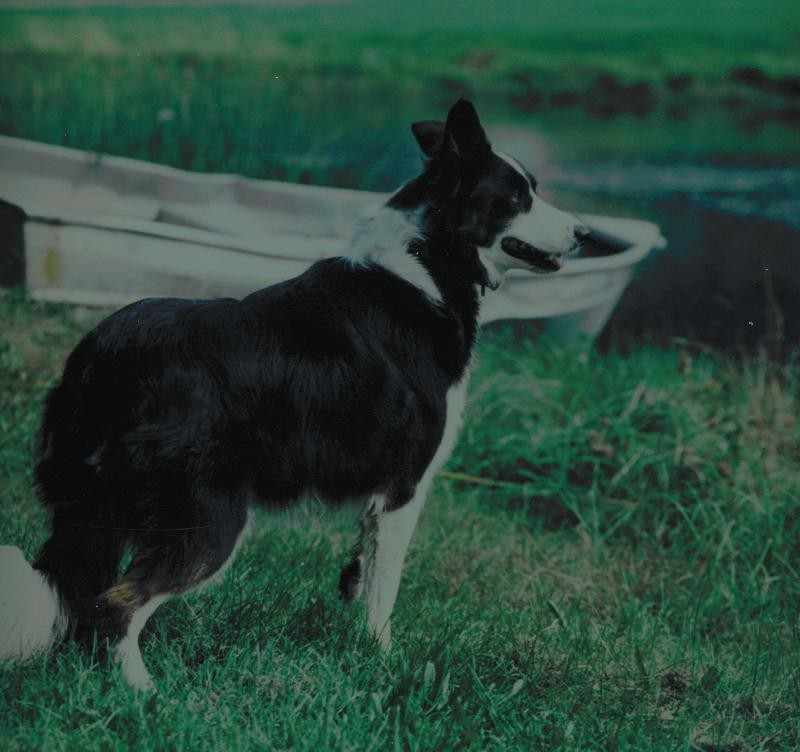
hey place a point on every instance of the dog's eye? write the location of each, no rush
(516, 199)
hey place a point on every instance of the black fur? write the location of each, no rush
(172, 416)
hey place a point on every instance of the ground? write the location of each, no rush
(609, 561)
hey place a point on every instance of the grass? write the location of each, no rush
(261, 90)
(608, 562)
(379, 40)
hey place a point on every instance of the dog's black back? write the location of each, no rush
(333, 383)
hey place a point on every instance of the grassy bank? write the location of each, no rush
(609, 561)
(305, 93)
(380, 40)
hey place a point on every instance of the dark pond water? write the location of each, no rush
(728, 202)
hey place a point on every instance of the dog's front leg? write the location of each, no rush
(382, 570)
(378, 562)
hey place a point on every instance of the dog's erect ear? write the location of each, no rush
(461, 136)
(464, 149)
(429, 135)
(463, 132)
(457, 150)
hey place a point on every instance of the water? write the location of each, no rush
(730, 276)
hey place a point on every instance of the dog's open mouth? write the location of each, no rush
(546, 262)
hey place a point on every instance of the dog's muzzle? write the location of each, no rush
(519, 249)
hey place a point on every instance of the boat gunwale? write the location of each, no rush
(210, 239)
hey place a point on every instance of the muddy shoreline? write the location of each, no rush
(747, 93)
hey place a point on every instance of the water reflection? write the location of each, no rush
(730, 276)
(731, 273)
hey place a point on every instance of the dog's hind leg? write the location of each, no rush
(122, 613)
(80, 561)
(165, 565)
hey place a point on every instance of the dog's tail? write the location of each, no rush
(32, 613)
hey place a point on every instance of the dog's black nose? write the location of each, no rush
(582, 232)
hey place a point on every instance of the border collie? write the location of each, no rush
(346, 383)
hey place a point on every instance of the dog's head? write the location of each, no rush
(486, 200)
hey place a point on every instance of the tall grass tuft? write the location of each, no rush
(207, 115)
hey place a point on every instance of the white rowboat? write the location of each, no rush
(102, 230)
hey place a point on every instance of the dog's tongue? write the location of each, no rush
(548, 262)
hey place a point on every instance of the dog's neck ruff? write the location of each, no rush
(386, 239)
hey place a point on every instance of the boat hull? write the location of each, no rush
(105, 231)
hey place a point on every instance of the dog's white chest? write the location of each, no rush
(456, 402)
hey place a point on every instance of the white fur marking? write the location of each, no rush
(383, 239)
(31, 617)
(128, 653)
(456, 401)
(382, 578)
(493, 263)
(394, 529)
(515, 164)
(544, 227)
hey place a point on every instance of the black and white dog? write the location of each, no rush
(346, 383)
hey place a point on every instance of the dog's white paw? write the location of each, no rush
(132, 665)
